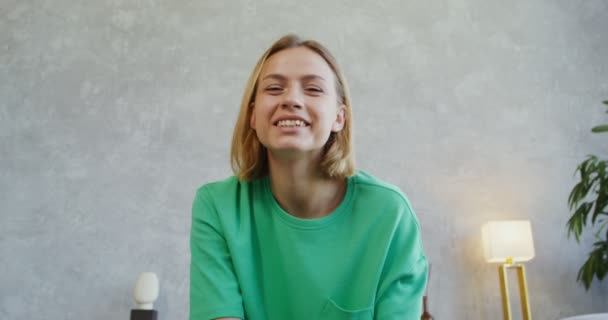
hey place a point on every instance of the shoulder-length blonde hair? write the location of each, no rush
(248, 155)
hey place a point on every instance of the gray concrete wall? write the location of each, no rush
(112, 113)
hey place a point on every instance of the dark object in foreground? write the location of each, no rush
(144, 315)
(425, 315)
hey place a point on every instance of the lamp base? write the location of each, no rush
(144, 315)
(523, 290)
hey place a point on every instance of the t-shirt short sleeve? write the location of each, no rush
(404, 274)
(214, 289)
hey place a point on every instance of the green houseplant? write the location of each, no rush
(588, 201)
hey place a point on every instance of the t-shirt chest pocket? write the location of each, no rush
(331, 311)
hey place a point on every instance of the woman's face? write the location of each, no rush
(296, 105)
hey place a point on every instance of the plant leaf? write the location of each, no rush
(600, 203)
(602, 226)
(600, 128)
(578, 220)
(587, 179)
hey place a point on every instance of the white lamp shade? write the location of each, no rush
(507, 239)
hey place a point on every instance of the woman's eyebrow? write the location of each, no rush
(284, 78)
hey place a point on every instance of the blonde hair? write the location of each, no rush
(248, 155)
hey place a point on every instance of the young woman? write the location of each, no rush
(298, 233)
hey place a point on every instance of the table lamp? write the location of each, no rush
(145, 293)
(509, 242)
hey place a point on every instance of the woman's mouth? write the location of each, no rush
(291, 123)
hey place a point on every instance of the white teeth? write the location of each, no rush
(291, 123)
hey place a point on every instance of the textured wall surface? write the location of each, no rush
(112, 113)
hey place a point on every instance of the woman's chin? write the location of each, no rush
(292, 150)
(288, 148)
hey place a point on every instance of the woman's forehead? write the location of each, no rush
(297, 62)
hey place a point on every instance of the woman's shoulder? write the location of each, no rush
(220, 195)
(378, 192)
(219, 185)
(376, 186)
(227, 187)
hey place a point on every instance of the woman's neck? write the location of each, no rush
(301, 189)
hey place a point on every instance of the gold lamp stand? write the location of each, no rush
(523, 289)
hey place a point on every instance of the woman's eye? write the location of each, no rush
(314, 89)
(273, 88)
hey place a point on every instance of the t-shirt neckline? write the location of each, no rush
(316, 223)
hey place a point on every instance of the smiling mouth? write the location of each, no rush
(291, 123)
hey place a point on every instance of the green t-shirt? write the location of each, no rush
(253, 260)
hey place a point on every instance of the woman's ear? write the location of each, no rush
(252, 118)
(338, 124)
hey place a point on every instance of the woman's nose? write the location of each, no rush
(292, 98)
